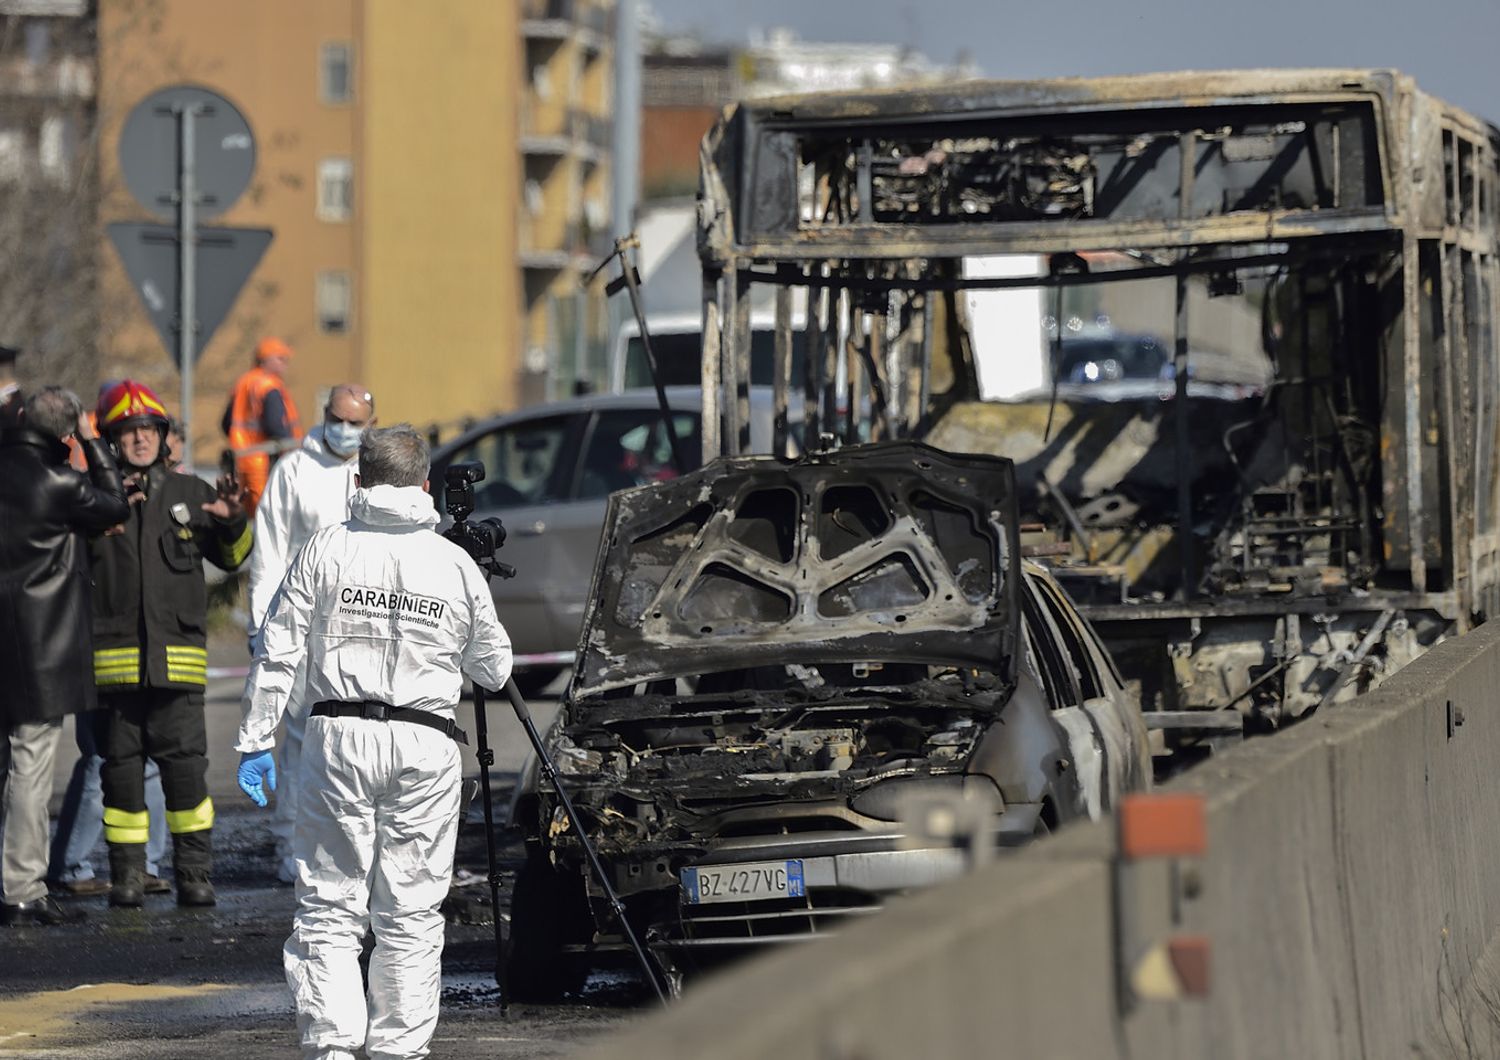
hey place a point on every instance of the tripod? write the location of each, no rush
(480, 539)
(549, 772)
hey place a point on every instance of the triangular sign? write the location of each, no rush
(226, 258)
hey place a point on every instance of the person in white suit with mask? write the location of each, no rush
(308, 489)
(372, 631)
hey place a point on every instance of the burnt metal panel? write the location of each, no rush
(890, 552)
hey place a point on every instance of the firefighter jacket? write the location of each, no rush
(376, 608)
(150, 599)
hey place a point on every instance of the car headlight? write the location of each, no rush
(888, 798)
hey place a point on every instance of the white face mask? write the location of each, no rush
(342, 438)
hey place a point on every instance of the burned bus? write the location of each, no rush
(1250, 388)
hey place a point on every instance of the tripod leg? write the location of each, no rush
(486, 759)
(652, 969)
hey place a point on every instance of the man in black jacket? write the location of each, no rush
(46, 508)
(150, 644)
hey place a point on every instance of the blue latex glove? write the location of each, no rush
(254, 768)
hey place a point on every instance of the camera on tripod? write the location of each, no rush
(482, 538)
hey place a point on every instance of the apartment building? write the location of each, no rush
(565, 215)
(48, 188)
(387, 165)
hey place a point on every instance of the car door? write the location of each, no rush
(527, 473)
(1112, 713)
(621, 448)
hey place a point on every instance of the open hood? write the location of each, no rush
(891, 552)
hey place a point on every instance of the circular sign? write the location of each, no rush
(224, 150)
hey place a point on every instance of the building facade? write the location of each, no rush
(387, 167)
(48, 189)
(565, 208)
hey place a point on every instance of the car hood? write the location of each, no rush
(890, 552)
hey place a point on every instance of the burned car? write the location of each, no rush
(788, 672)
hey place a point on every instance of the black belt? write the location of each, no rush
(375, 711)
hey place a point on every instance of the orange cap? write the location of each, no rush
(271, 347)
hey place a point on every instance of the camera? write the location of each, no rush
(482, 538)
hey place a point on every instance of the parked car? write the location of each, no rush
(781, 663)
(548, 472)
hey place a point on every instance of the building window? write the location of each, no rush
(38, 42)
(336, 73)
(335, 189)
(13, 156)
(55, 147)
(534, 197)
(334, 297)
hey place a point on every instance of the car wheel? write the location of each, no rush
(547, 912)
(534, 682)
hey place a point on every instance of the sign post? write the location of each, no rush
(187, 155)
(187, 265)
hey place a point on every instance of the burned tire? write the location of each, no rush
(547, 912)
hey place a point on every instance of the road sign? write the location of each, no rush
(226, 258)
(149, 147)
(187, 154)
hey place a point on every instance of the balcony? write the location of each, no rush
(67, 78)
(561, 19)
(552, 243)
(550, 129)
(547, 19)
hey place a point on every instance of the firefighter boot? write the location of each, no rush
(127, 874)
(192, 859)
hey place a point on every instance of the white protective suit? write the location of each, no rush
(308, 489)
(379, 608)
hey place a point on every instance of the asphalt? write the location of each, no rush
(164, 982)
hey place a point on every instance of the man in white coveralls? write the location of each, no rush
(309, 489)
(386, 616)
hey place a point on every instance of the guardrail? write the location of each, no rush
(1346, 905)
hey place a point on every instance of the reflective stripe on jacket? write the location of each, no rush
(150, 599)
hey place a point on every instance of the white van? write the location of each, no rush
(677, 341)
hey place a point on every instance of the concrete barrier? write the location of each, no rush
(1351, 893)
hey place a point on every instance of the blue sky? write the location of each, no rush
(1452, 47)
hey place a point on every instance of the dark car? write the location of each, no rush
(548, 471)
(784, 667)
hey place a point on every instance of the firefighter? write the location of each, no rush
(261, 418)
(150, 657)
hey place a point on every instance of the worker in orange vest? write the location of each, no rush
(261, 419)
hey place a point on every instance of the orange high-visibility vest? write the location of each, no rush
(245, 430)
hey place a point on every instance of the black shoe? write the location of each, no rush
(195, 893)
(43, 911)
(156, 885)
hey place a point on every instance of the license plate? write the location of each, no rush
(749, 882)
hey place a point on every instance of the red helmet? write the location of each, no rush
(130, 404)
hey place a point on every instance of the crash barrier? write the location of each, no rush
(1346, 905)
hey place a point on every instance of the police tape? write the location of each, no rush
(520, 662)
